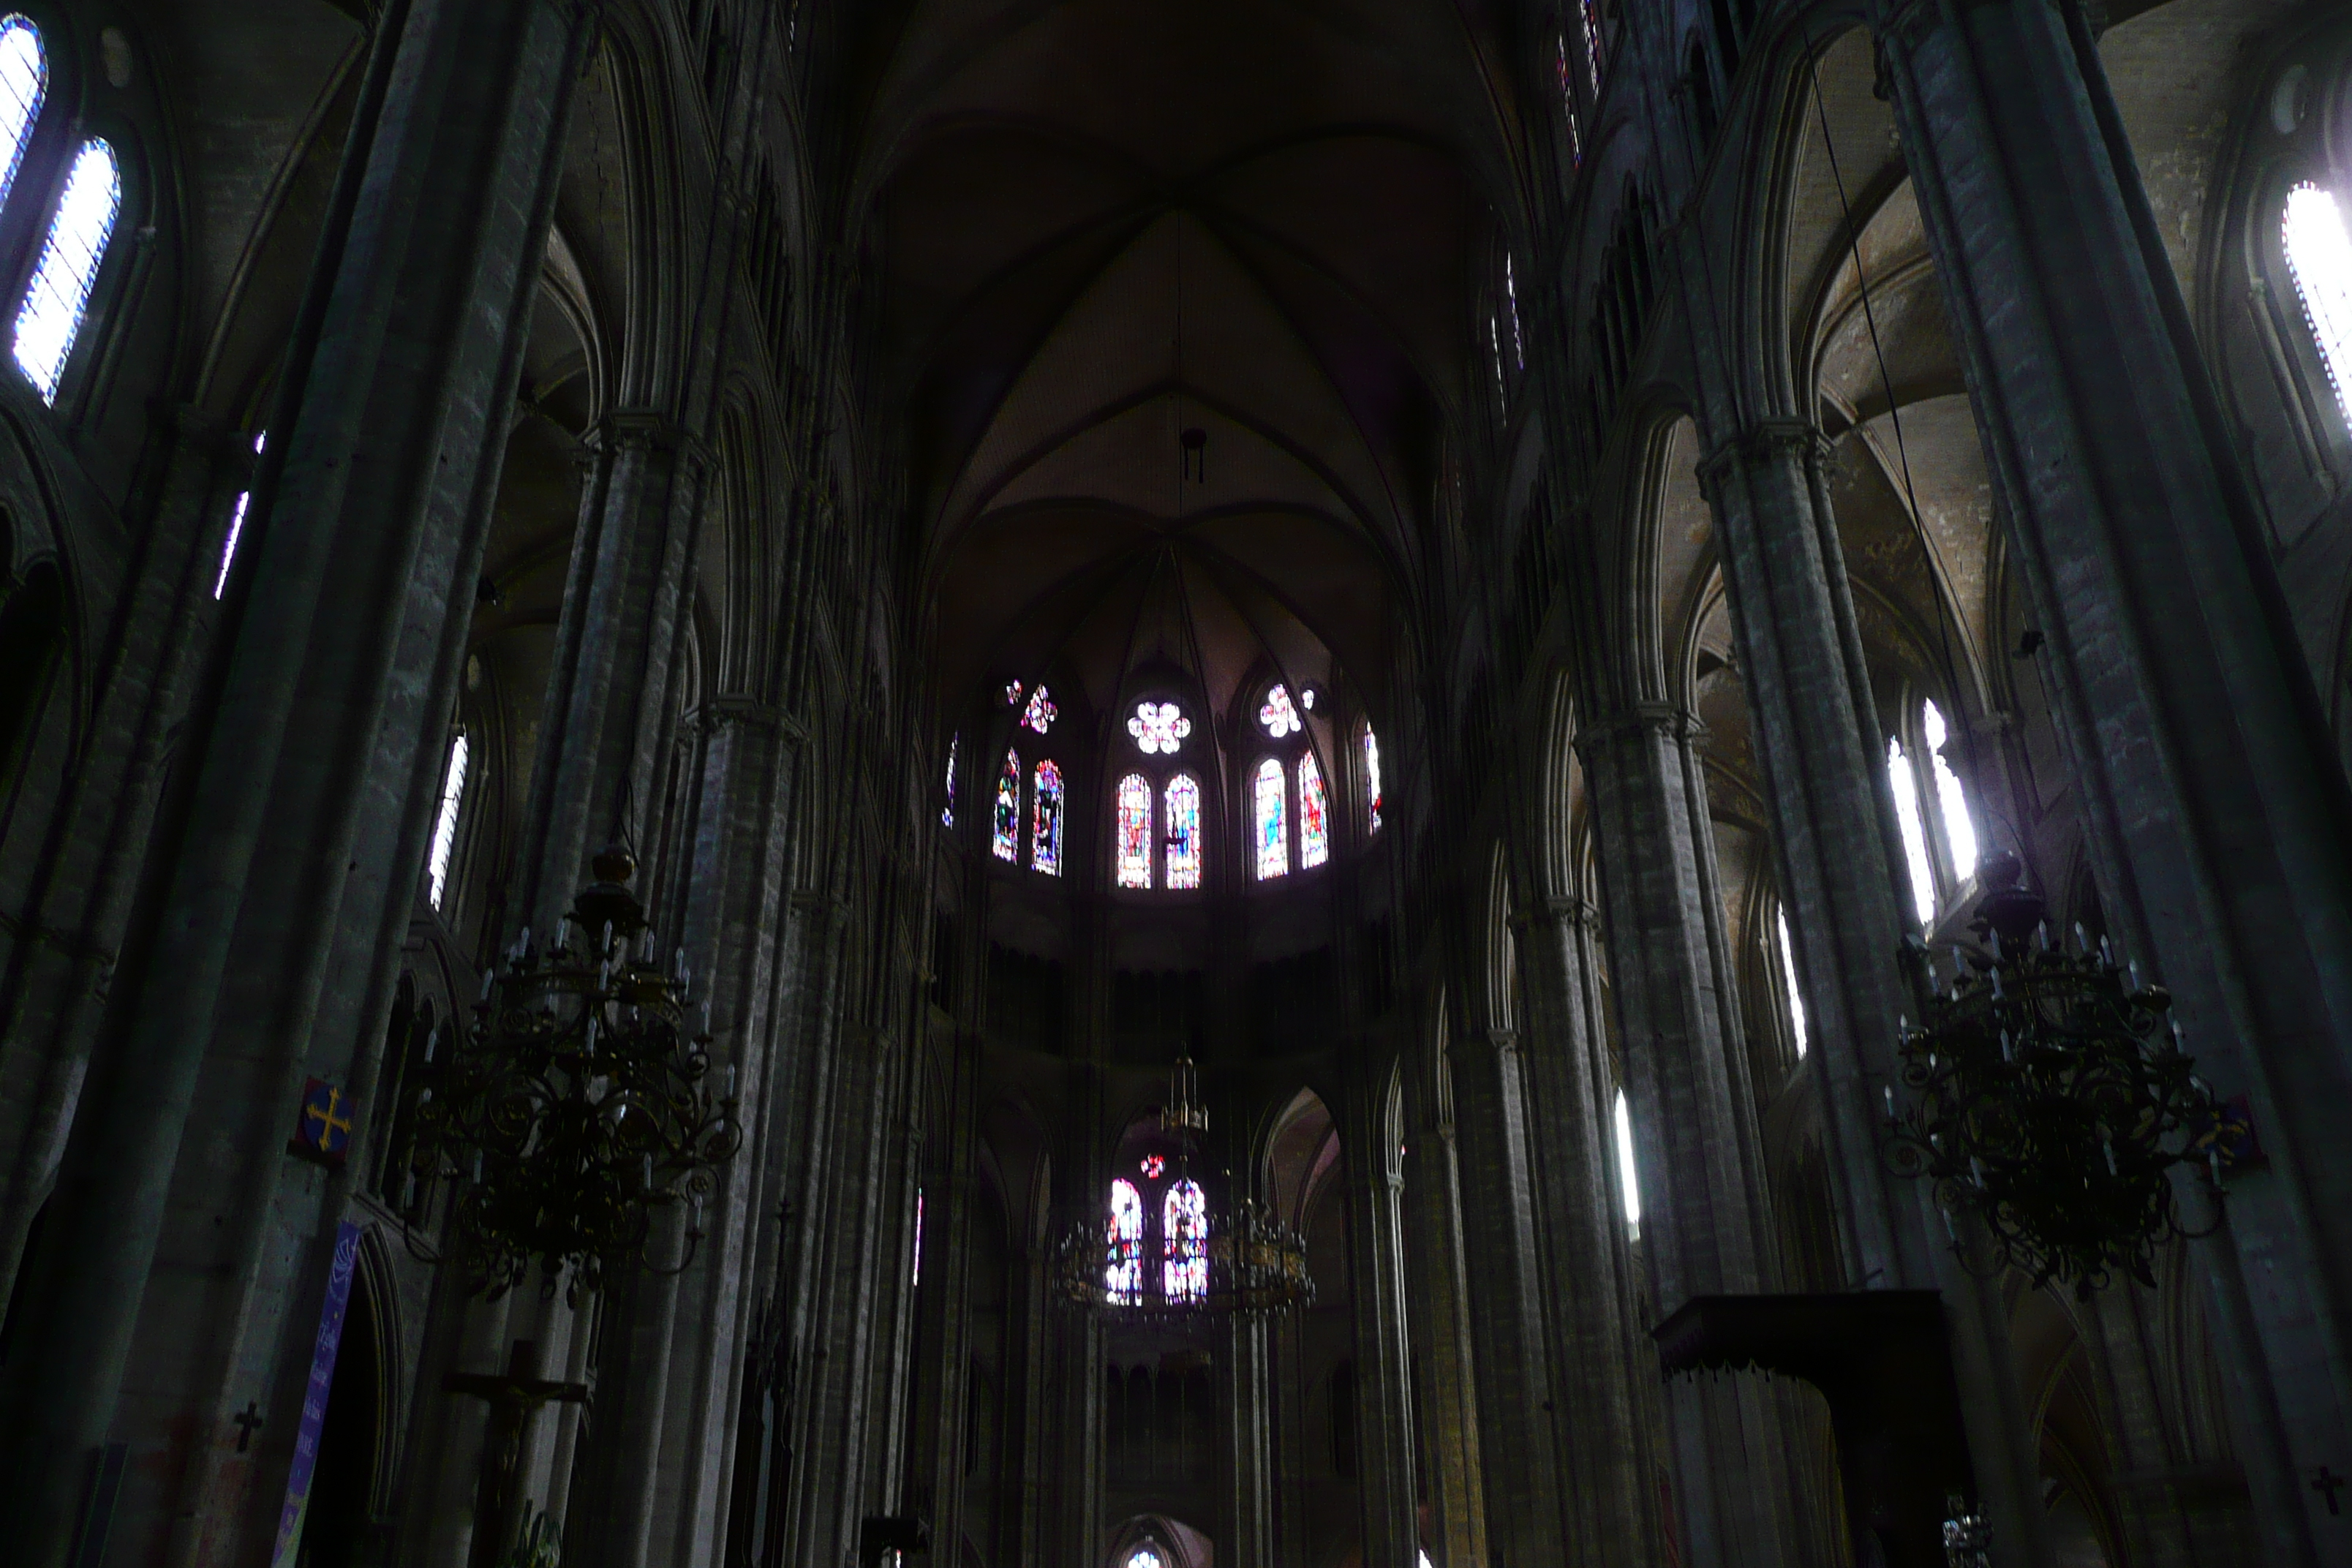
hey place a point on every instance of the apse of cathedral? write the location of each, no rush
(1118, 783)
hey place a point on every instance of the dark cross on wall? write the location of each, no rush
(2327, 1485)
(248, 1422)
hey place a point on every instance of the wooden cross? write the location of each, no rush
(2327, 1485)
(514, 1398)
(248, 1421)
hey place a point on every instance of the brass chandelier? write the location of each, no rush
(1239, 1259)
(577, 1101)
(2050, 1096)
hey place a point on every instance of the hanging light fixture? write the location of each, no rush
(578, 1101)
(1247, 1261)
(2051, 1097)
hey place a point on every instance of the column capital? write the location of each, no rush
(1764, 441)
(644, 430)
(749, 712)
(1667, 721)
(1567, 911)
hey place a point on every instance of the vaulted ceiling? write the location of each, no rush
(1102, 225)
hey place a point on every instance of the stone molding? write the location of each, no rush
(1763, 441)
(646, 430)
(734, 710)
(1667, 721)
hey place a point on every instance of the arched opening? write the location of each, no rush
(340, 1518)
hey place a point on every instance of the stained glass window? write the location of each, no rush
(1135, 831)
(1040, 711)
(1511, 305)
(2319, 257)
(1273, 833)
(50, 317)
(1159, 727)
(1314, 815)
(1279, 716)
(1046, 835)
(1151, 1166)
(24, 83)
(236, 526)
(1013, 691)
(1123, 1269)
(445, 825)
(947, 811)
(1183, 822)
(1788, 976)
(1184, 1243)
(918, 1278)
(1143, 1557)
(1594, 57)
(1007, 841)
(1372, 778)
(1905, 785)
(1626, 1177)
(1951, 800)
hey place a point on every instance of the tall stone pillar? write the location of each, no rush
(1384, 1417)
(1248, 1439)
(1800, 665)
(308, 762)
(1600, 1423)
(1439, 1308)
(2216, 810)
(1479, 1092)
(1706, 1225)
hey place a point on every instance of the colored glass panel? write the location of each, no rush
(1184, 1243)
(1123, 1268)
(1314, 815)
(1159, 727)
(1184, 821)
(1040, 711)
(1372, 779)
(1279, 714)
(1273, 832)
(1045, 827)
(1135, 831)
(58, 297)
(947, 811)
(1006, 841)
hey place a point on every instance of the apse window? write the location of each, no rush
(1184, 1243)
(24, 85)
(50, 317)
(947, 811)
(1269, 819)
(1143, 1557)
(1939, 850)
(1123, 1269)
(2319, 258)
(1628, 1182)
(1183, 839)
(445, 825)
(1045, 827)
(1314, 815)
(1005, 840)
(1371, 781)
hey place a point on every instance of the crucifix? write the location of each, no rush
(2327, 1485)
(248, 1421)
(514, 1398)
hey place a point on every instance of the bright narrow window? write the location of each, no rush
(444, 826)
(1135, 831)
(1123, 1269)
(1593, 57)
(1788, 976)
(1280, 715)
(1183, 822)
(1372, 777)
(1045, 842)
(1960, 832)
(947, 811)
(1184, 1244)
(236, 530)
(1511, 303)
(1143, 1557)
(24, 83)
(1314, 815)
(1267, 812)
(1905, 785)
(1007, 838)
(50, 317)
(917, 1279)
(1626, 1179)
(2319, 255)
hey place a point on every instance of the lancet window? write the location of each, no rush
(2317, 236)
(444, 822)
(1006, 838)
(1184, 1243)
(1123, 1270)
(1156, 825)
(23, 86)
(1045, 826)
(1289, 802)
(1788, 979)
(947, 811)
(1940, 847)
(1628, 1182)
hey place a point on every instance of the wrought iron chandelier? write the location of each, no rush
(2050, 1095)
(1213, 1259)
(577, 1101)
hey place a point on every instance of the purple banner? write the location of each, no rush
(314, 1398)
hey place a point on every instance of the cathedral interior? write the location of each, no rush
(1108, 783)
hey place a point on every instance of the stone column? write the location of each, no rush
(1800, 665)
(1248, 1439)
(1440, 1310)
(2215, 809)
(1384, 1429)
(300, 818)
(1706, 1222)
(1479, 1078)
(1598, 1418)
